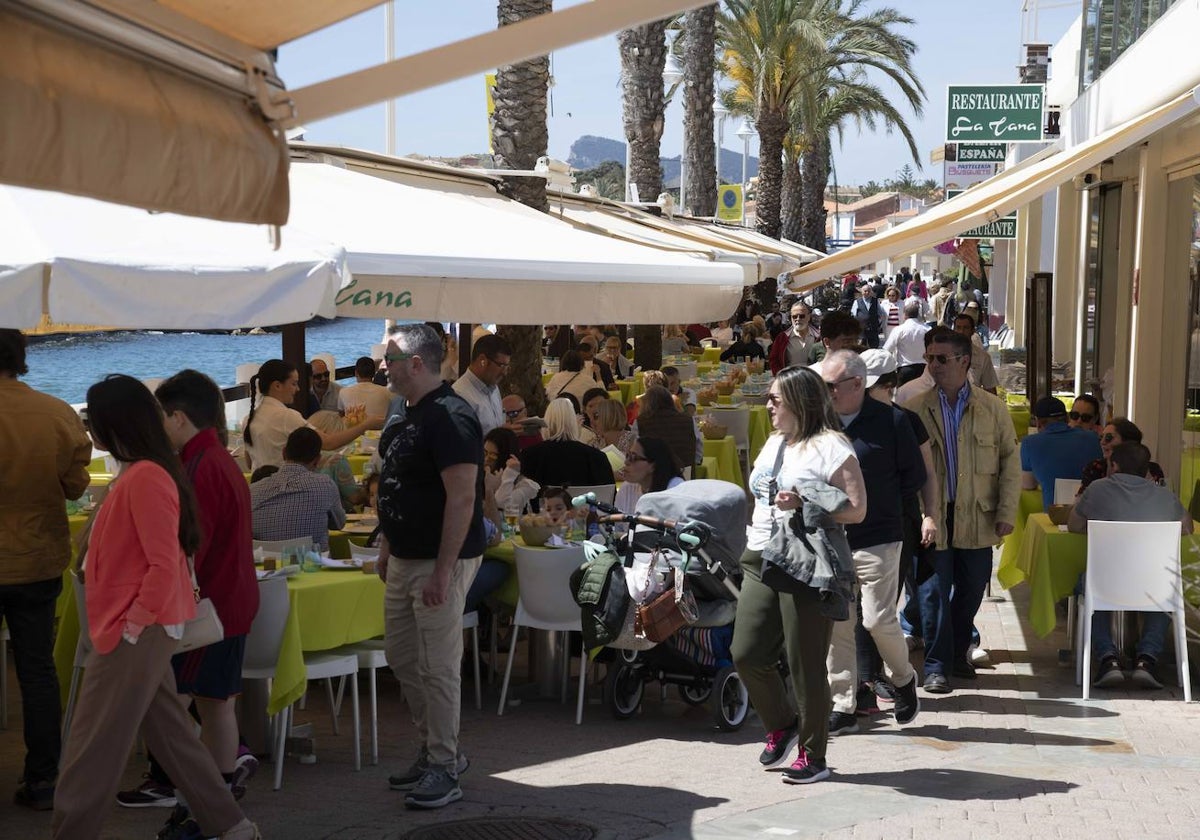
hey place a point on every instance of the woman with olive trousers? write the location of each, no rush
(807, 444)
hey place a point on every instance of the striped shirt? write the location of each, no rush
(951, 419)
(296, 502)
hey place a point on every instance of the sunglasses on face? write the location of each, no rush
(633, 458)
(1108, 437)
(514, 413)
(1084, 418)
(833, 386)
(941, 358)
(397, 357)
(321, 375)
(800, 317)
(774, 399)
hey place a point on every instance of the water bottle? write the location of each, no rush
(311, 561)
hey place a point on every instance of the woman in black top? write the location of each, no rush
(562, 459)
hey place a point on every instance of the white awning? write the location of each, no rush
(87, 262)
(426, 247)
(994, 198)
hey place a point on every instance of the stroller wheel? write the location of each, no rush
(695, 695)
(623, 689)
(730, 700)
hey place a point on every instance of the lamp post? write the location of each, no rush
(746, 131)
(720, 112)
(673, 75)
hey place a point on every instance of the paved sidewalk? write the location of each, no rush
(1016, 755)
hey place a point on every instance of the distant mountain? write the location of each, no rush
(590, 151)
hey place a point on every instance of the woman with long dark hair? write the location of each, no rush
(807, 445)
(271, 419)
(649, 468)
(139, 596)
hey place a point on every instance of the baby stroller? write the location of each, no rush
(698, 529)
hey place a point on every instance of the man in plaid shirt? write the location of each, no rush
(295, 501)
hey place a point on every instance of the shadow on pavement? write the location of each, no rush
(957, 785)
(941, 736)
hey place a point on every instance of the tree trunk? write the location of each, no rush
(814, 177)
(772, 126)
(519, 137)
(700, 30)
(643, 56)
(791, 208)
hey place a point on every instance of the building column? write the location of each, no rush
(1066, 273)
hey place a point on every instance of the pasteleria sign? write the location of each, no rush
(1002, 228)
(994, 113)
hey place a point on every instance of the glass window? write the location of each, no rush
(1189, 470)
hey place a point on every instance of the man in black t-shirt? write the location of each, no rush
(431, 519)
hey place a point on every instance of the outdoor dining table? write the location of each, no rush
(358, 462)
(707, 468)
(712, 354)
(759, 427)
(1029, 503)
(725, 451)
(1051, 559)
(629, 389)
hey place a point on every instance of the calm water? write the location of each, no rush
(66, 367)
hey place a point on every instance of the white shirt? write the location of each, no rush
(907, 343)
(374, 397)
(273, 422)
(723, 335)
(485, 399)
(817, 458)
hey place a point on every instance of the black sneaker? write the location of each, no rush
(1109, 673)
(1144, 675)
(964, 671)
(936, 684)
(437, 788)
(410, 777)
(908, 705)
(37, 796)
(149, 794)
(805, 770)
(180, 826)
(780, 743)
(243, 771)
(865, 703)
(841, 723)
(885, 692)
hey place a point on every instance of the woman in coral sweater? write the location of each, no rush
(139, 595)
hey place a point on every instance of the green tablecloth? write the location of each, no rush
(357, 462)
(1007, 574)
(725, 451)
(1189, 473)
(706, 469)
(1020, 419)
(712, 355)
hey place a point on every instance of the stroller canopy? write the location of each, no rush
(718, 504)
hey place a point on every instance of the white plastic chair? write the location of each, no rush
(277, 546)
(83, 647)
(606, 493)
(262, 654)
(545, 603)
(363, 552)
(3, 676)
(1133, 566)
(737, 421)
(687, 370)
(1065, 490)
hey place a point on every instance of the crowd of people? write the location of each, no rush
(883, 416)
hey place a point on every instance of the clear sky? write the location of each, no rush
(960, 42)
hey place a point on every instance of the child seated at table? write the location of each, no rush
(556, 504)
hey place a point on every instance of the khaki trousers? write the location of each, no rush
(877, 568)
(134, 686)
(424, 649)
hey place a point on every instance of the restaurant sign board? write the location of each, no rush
(729, 203)
(981, 152)
(994, 113)
(1002, 228)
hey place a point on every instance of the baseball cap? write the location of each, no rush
(1047, 407)
(879, 363)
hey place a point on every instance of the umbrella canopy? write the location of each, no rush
(430, 245)
(83, 261)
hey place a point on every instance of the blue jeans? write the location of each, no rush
(489, 578)
(948, 602)
(1151, 643)
(28, 610)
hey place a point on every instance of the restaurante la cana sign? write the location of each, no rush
(1002, 228)
(994, 113)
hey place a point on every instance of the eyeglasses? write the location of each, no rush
(774, 399)
(633, 458)
(1084, 418)
(514, 413)
(941, 358)
(833, 386)
(324, 375)
(799, 317)
(398, 357)
(501, 365)
(1108, 437)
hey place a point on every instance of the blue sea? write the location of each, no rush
(66, 367)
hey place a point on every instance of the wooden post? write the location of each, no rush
(293, 352)
(464, 347)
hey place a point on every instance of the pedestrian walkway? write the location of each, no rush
(1015, 755)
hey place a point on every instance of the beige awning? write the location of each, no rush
(994, 198)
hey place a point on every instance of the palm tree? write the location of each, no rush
(519, 137)
(643, 56)
(699, 60)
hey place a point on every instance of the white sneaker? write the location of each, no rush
(978, 655)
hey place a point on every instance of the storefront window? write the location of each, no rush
(1109, 28)
(1099, 314)
(1189, 470)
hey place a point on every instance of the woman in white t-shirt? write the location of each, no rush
(771, 623)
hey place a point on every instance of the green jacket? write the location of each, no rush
(989, 468)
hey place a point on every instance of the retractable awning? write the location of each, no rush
(80, 261)
(994, 198)
(428, 246)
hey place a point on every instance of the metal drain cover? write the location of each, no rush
(504, 828)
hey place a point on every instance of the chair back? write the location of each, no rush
(687, 370)
(543, 576)
(277, 546)
(737, 422)
(266, 633)
(1065, 490)
(363, 552)
(1134, 566)
(84, 646)
(606, 493)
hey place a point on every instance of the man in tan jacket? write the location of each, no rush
(978, 469)
(45, 455)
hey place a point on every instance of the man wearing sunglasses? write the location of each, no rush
(1085, 414)
(324, 391)
(794, 345)
(480, 385)
(1056, 451)
(978, 486)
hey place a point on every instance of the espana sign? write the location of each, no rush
(994, 113)
(1003, 228)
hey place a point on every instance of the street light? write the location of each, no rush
(745, 132)
(720, 112)
(673, 75)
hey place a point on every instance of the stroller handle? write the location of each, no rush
(689, 532)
